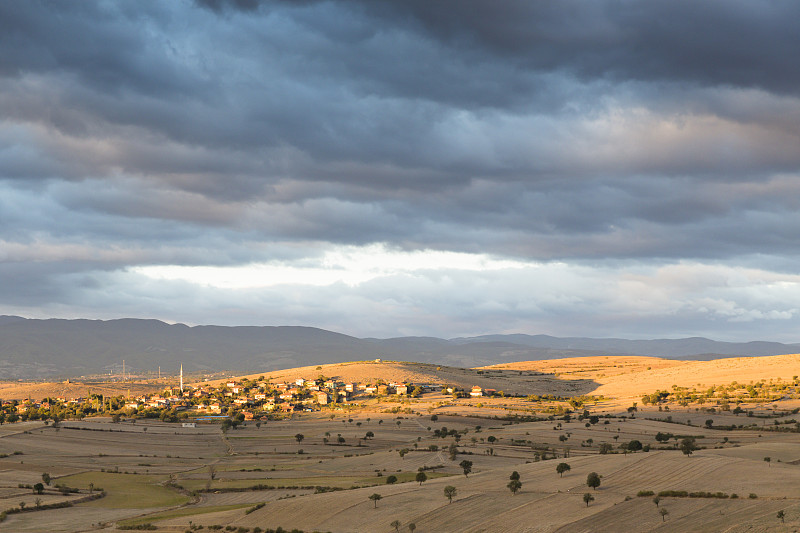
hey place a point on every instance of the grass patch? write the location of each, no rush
(178, 513)
(126, 491)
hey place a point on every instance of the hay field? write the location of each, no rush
(173, 477)
(630, 377)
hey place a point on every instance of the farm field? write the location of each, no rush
(319, 471)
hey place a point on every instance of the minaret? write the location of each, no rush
(181, 377)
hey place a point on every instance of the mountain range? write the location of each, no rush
(44, 349)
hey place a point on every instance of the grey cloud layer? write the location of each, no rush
(228, 132)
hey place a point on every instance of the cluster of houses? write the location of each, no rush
(252, 398)
(28, 404)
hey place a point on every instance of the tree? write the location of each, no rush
(588, 498)
(563, 467)
(593, 480)
(369, 435)
(514, 476)
(46, 478)
(782, 515)
(452, 450)
(412, 526)
(466, 466)
(709, 423)
(688, 445)
(663, 437)
(402, 452)
(375, 497)
(634, 446)
(664, 514)
(492, 439)
(434, 418)
(514, 485)
(395, 524)
(768, 459)
(299, 438)
(38, 488)
(391, 479)
(450, 492)
(422, 477)
(656, 500)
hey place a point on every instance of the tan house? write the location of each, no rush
(321, 397)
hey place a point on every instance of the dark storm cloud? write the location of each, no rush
(744, 44)
(232, 132)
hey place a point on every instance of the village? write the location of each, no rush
(240, 400)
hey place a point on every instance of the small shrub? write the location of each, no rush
(255, 508)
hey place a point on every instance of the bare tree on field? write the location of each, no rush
(466, 466)
(588, 498)
(450, 492)
(688, 445)
(375, 497)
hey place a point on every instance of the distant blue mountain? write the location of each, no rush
(32, 348)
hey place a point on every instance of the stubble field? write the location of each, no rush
(179, 478)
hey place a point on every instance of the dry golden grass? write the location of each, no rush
(18, 390)
(630, 377)
(731, 461)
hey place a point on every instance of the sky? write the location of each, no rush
(377, 168)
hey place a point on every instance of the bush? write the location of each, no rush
(645, 493)
(255, 508)
(673, 494)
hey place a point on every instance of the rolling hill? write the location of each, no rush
(31, 348)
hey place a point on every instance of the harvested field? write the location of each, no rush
(149, 468)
